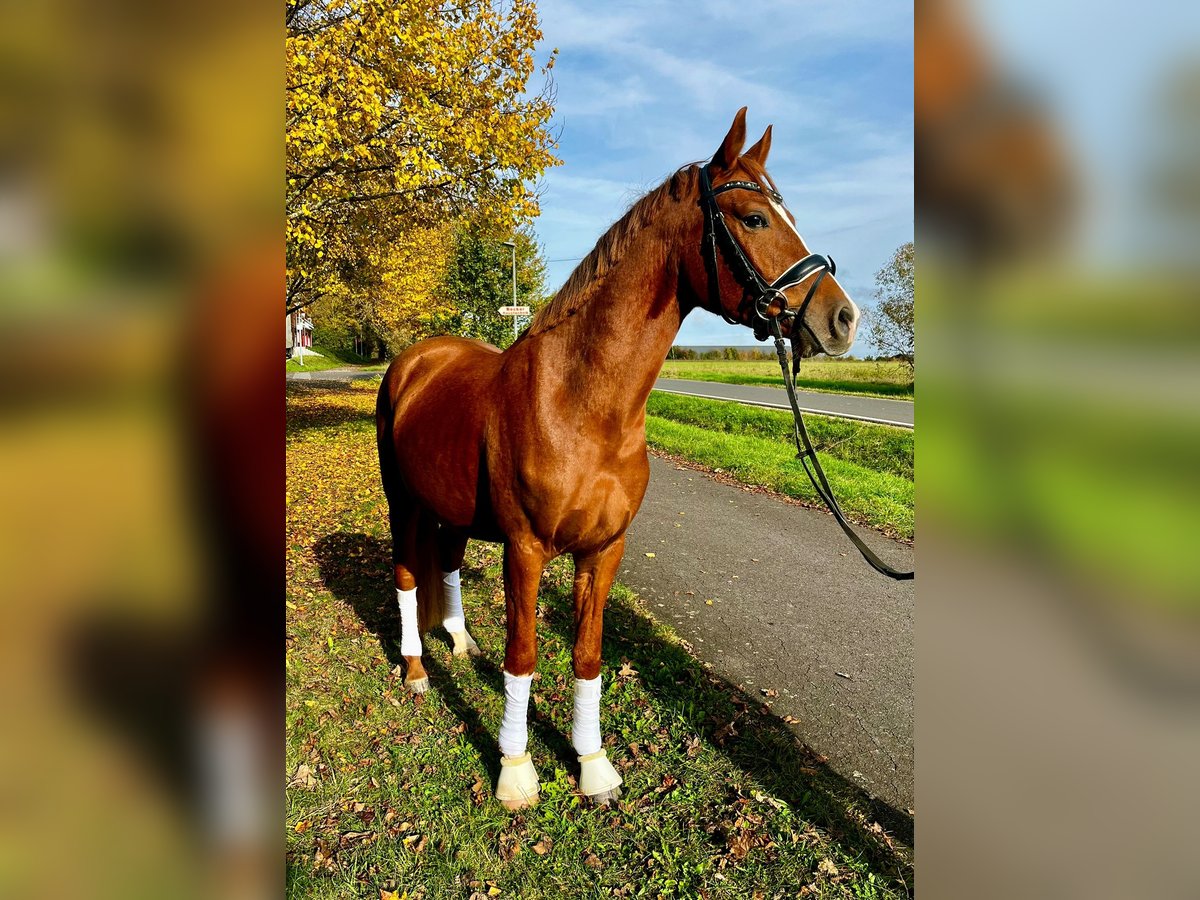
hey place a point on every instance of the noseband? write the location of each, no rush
(759, 297)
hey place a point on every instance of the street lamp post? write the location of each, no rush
(513, 245)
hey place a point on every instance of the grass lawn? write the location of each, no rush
(848, 376)
(870, 467)
(388, 792)
(330, 359)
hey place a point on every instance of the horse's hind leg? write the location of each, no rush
(405, 519)
(594, 573)
(451, 549)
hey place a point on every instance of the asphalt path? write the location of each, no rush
(846, 406)
(794, 609)
(347, 374)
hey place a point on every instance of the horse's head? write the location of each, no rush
(752, 265)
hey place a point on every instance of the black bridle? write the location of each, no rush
(762, 301)
(763, 307)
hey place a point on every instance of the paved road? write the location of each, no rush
(788, 624)
(870, 409)
(347, 374)
(847, 406)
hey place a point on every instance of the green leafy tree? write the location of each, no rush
(478, 281)
(891, 325)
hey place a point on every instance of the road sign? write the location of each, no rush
(514, 310)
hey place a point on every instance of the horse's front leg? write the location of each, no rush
(594, 575)
(523, 563)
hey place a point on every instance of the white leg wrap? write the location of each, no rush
(410, 636)
(514, 729)
(452, 611)
(585, 733)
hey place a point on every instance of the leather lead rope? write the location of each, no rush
(805, 453)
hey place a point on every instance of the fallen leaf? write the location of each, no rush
(303, 778)
(649, 556)
(826, 867)
(593, 860)
(542, 847)
(626, 670)
(739, 845)
(302, 827)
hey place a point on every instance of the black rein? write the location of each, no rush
(757, 299)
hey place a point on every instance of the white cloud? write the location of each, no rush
(644, 88)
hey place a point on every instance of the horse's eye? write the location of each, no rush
(755, 220)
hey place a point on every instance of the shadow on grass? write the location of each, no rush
(357, 569)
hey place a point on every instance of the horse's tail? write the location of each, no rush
(428, 574)
(424, 562)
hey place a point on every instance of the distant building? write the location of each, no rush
(298, 328)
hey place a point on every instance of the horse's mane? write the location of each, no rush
(582, 283)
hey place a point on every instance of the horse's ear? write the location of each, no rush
(731, 147)
(759, 151)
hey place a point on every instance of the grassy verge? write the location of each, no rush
(329, 359)
(874, 379)
(869, 466)
(389, 792)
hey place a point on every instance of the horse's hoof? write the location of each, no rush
(606, 798)
(518, 805)
(464, 644)
(518, 785)
(418, 685)
(598, 779)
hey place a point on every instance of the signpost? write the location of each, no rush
(516, 312)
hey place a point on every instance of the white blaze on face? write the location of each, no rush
(782, 212)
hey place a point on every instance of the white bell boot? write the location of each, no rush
(598, 779)
(518, 785)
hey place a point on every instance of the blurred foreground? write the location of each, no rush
(1058, 665)
(140, 277)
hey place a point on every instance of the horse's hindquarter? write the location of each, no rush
(440, 390)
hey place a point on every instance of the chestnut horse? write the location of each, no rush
(542, 447)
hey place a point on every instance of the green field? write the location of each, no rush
(388, 792)
(850, 376)
(329, 359)
(870, 467)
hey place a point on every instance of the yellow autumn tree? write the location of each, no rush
(401, 117)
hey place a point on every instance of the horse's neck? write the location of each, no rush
(614, 345)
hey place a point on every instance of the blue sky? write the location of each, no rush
(646, 87)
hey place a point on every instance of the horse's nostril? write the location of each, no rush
(843, 320)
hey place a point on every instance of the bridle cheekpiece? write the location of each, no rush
(764, 304)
